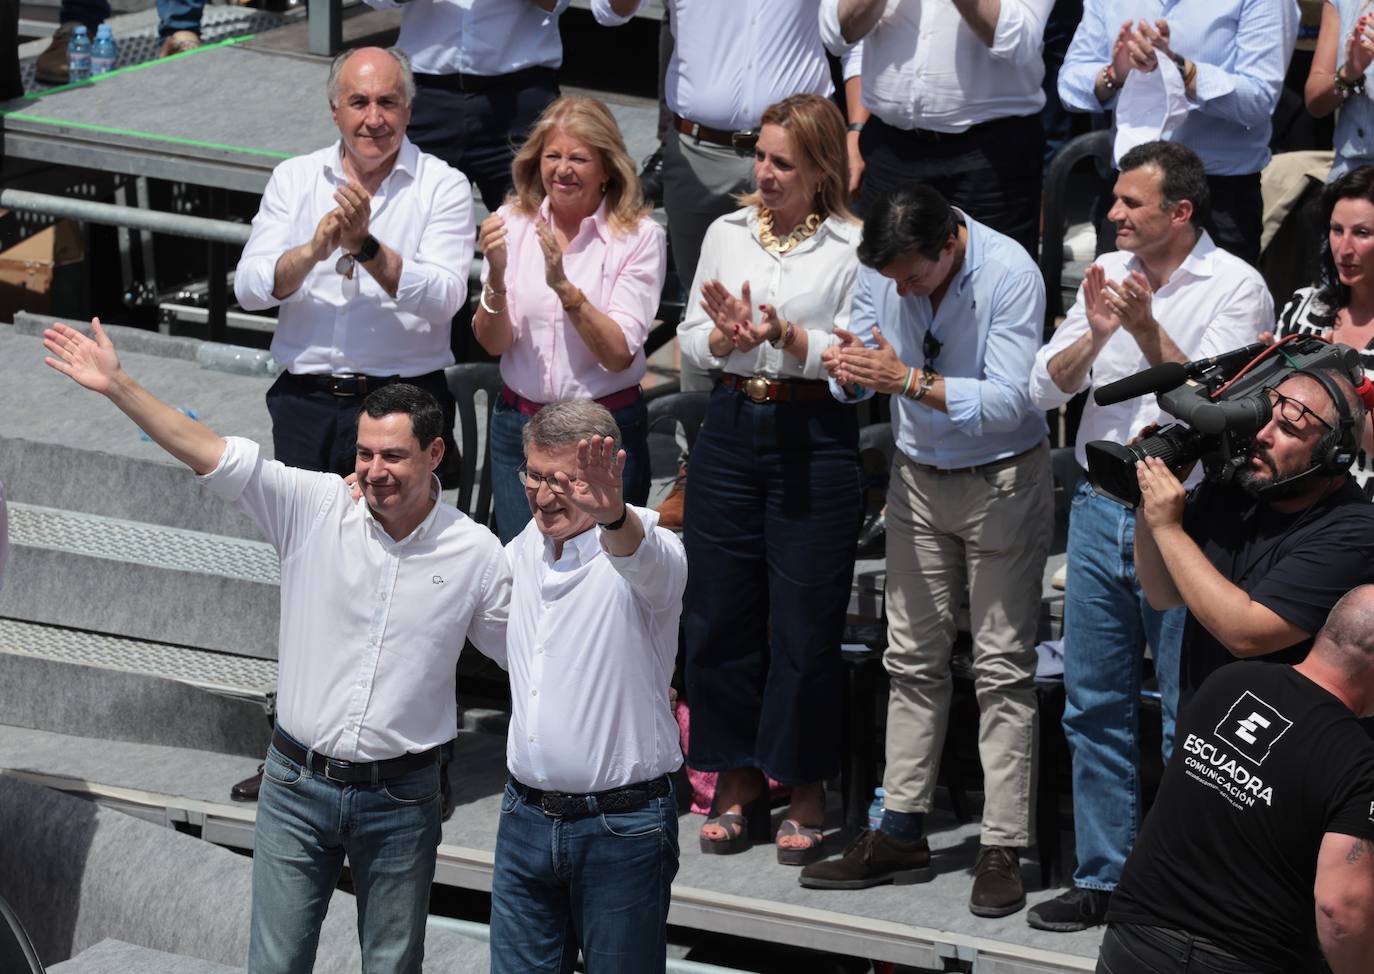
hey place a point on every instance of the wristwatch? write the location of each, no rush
(619, 522)
(371, 248)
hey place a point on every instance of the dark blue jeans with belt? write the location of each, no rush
(771, 518)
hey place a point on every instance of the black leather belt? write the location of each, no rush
(355, 772)
(349, 383)
(560, 804)
(486, 82)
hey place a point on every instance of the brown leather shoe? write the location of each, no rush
(670, 509)
(997, 889)
(247, 789)
(51, 66)
(874, 858)
(178, 42)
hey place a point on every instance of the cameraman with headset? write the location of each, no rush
(1259, 561)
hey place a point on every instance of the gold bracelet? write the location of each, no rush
(483, 301)
(783, 332)
(577, 302)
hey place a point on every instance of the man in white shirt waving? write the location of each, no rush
(376, 597)
(1169, 294)
(364, 247)
(587, 847)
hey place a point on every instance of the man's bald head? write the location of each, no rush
(390, 62)
(1347, 640)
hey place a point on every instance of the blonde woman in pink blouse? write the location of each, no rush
(571, 280)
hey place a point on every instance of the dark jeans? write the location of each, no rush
(1130, 948)
(478, 132)
(601, 882)
(92, 13)
(991, 172)
(1235, 223)
(772, 513)
(512, 507)
(316, 430)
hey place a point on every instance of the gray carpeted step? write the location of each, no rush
(143, 581)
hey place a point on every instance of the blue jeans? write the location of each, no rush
(1107, 623)
(601, 882)
(509, 502)
(175, 15)
(306, 824)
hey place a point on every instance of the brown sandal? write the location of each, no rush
(804, 855)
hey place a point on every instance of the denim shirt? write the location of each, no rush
(988, 326)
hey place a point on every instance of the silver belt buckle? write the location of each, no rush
(330, 764)
(756, 388)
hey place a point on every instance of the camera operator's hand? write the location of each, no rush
(1161, 494)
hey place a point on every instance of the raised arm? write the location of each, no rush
(92, 363)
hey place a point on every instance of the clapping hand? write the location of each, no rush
(355, 216)
(326, 238)
(733, 316)
(832, 357)
(90, 362)
(1110, 305)
(553, 254)
(1139, 47)
(878, 368)
(1359, 47)
(491, 240)
(595, 486)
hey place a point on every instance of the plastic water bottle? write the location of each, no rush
(104, 52)
(875, 810)
(79, 56)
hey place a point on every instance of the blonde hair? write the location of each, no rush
(589, 121)
(817, 130)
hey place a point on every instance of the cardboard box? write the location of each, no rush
(42, 273)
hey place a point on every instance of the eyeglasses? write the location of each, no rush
(1290, 409)
(532, 481)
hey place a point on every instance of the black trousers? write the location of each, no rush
(1130, 948)
(478, 132)
(992, 172)
(1235, 222)
(314, 429)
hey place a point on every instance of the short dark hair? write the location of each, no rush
(1184, 177)
(426, 418)
(906, 220)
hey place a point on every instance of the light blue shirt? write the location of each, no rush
(989, 327)
(1241, 49)
(1354, 138)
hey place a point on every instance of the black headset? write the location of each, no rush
(1335, 451)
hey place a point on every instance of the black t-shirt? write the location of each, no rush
(1265, 763)
(1297, 565)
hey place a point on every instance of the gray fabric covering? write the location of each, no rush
(117, 957)
(78, 874)
(86, 702)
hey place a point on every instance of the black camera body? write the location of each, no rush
(1222, 402)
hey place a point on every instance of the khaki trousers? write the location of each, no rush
(988, 529)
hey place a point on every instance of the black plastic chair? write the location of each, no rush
(1096, 145)
(16, 949)
(465, 381)
(668, 413)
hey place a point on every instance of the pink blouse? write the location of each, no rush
(622, 276)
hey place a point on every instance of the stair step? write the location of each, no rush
(132, 542)
(240, 676)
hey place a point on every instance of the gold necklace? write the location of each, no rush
(770, 240)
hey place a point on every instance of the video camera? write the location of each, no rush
(1223, 402)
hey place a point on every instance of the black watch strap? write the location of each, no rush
(371, 248)
(619, 522)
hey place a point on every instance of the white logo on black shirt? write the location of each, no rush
(1252, 727)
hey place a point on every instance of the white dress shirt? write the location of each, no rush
(1214, 302)
(925, 68)
(485, 37)
(331, 324)
(590, 649)
(733, 59)
(810, 286)
(371, 628)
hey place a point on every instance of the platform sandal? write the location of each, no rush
(742, 829)
(804, 856)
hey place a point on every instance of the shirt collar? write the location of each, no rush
(584, 547)
(845, 231)
(407, 160)
(973, 246)
(1200, 262)
(435, 495)
(599, 223)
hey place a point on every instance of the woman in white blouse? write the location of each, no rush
(773, 498)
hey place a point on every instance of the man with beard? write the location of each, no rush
(1260, 562)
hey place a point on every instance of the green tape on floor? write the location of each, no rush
(32, 95)
(152, 136)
